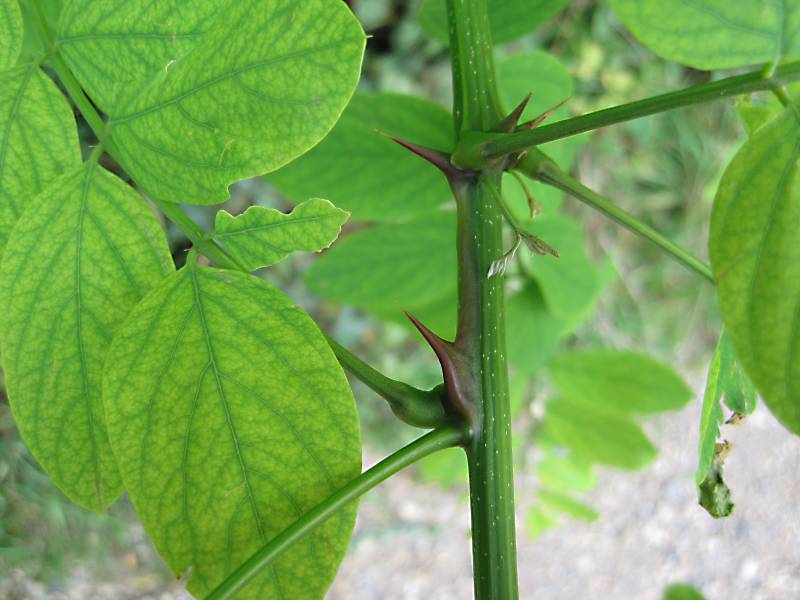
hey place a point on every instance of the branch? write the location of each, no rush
(438, 439)
(537, 165)
(416, 407)
(493, 146)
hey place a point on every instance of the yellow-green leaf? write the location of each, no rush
(78, 261)
(263, 236)
(230, 417)
(38, 140)
(212, 91)
(10, 33)
(755, 255)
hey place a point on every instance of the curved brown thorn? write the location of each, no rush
(453, 368)
(438, 159)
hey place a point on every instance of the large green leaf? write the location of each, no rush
(216, 90)
(263, 236)
(369, 174)
(10, 33)
(77, 263)
(510, 18)
(38, 140)
(619, 381)
(230, 417)
(596, 436)
(715, 34)
(755, 254)
(388, 268)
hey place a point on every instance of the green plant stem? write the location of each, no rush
(537, 165)
(411, 405)
(438, 439)
(492, 146)
(480, 338)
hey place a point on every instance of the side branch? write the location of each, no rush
(411, 405)
(539, 166)
(438, 439)
(493, 146)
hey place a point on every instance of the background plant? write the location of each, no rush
(433, 314)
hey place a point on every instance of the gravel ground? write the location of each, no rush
(412, 540)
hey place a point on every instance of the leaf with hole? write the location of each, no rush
(218, 458)
(755, 254)
(715, 34)
(261, 237)
(81, 257)
(251, 84)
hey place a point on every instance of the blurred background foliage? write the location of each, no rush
(609, 290)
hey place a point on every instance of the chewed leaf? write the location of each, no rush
(78, 261)
(264, 236)
(214, 91)
(219, 458)
(715, 496)
(39, 140)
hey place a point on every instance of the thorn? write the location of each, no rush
(509, 124)
(449, 360)
(438, 159)
(538, 120)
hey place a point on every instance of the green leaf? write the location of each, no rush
(77, 263)
(735, 386)
(10, 33)
(38, 140)
(715, 496)
(566, 504)
(710, 417)
(251, 84)
(715, 34)
(618, 381)
(533, 333)
(539, 520)
(510, 18)
(754, 116)
(755, 255)
(260, 236)
(230, 417)
(682, 591)
(566, 474)
(596, 436)
(389, 268)
(368, 174)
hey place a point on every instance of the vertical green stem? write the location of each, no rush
(481, 328)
